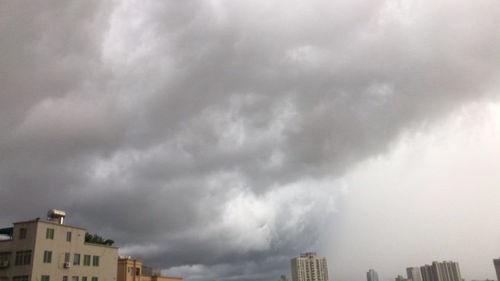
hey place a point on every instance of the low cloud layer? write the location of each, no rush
(209, 137)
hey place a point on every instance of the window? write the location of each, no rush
(86, 260)
(4, 278)
(22, 233)
(74, 278)
(65, 278)
(49, 234)
(66, 257)
(23, 257)
(137, 271)
(45, 278)
(68, 236)
(47, 256)
(21, 278)
(95, 260)
(4, 257)
(94, 279)
(76, 259)
(84, 278)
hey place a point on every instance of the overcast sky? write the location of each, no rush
(218, 139)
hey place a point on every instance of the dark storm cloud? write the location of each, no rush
(206, 136)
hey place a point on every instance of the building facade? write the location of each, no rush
(372, 275)
(441, 271)
(49, 250)
(414, 274)
(130, 269)
(309, 267)
(496, 263)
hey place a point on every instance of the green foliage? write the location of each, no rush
(96, 239)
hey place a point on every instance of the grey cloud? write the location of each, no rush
(179, 128)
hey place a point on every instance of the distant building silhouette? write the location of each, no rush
(414, 274)
(283, 278)
(400, 278)
(371, 275)
(309, 267)
(496, 263)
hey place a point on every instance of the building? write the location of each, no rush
(496, 263)
(130, 269)
(400, 278)
(441, 271)
(283, 278)
(309, 267)
(371, 275)
(414, 274)
(49, 250)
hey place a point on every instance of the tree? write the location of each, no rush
(96, 239)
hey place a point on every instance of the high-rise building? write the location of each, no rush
(49, 250)
(400, 278)
(309, 267)
(414, 274)
(371, 275)
(496, 263)
(441, 271)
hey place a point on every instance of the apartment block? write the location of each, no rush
(49, 250)
(309, 267)
(441, 271)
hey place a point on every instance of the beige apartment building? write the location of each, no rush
(49, 250)
(309, 267)
(130, 269)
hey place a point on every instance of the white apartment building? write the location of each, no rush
(309, 267)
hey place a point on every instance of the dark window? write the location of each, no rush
(95, 260)
(65, 278)
(137, 271)
(4, 257)
(68, 236)
(76, 259)
(84, 278)
(74, 278)
(22, 233)
(66, 257)
(49, 234)
(86, 260)
(47, 256)
(23, 257)
(21, 278)
(94, 279)
(45, 278)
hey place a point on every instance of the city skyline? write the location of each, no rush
(217, 139)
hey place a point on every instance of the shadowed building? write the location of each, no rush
(496, 263)
(309, 267)
(371, 275)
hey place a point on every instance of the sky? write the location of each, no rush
(217, 139)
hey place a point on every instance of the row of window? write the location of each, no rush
(47, 278)
(73, 278)
(49, 234)
(47, 258)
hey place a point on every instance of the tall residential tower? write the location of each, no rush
(371, 275)
(309, 267)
